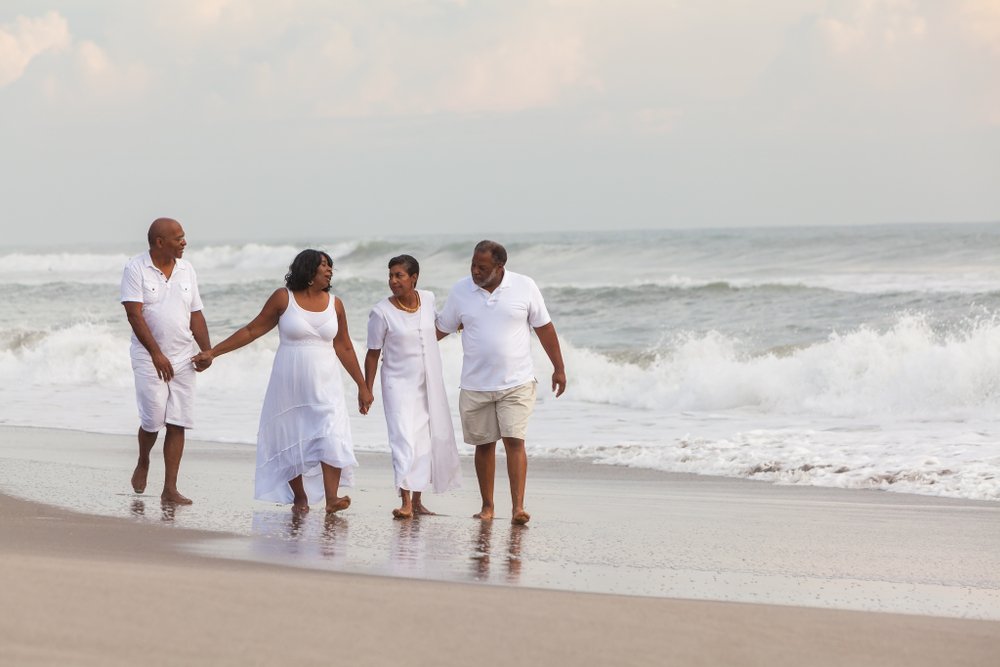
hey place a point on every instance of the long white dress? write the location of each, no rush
(421, 434)
(304, 418)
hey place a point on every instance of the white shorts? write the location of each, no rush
(160, 402)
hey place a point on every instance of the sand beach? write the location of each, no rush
(619, 566)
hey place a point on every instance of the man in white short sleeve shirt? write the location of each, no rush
(496, 310)
(160, 293)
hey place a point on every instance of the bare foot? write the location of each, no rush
(402, 513)
(418, 508)
(175, 498)
(300, 506)
(139, 477)
(338, 504)
(486, 514)
(520, 518)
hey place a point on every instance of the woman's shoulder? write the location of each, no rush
(382, 306)
(426, 296)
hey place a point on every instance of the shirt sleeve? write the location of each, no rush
(538, 314)
(196, 304)
(131, 289)
(449, 319)
(377, 329)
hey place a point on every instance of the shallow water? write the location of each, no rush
(594, 528)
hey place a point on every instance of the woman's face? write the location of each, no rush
(324, 273)
(400, 282)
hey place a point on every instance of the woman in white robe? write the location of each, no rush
(421, 437)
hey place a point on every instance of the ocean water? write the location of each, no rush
(851, 357)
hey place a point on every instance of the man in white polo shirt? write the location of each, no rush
(160, 294)
(496, 310)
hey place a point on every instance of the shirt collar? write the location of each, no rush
(178, 263)
(504, 284)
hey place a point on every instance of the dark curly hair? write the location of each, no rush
(303, 268)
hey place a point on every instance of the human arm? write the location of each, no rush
(344, 349)
(550, 343)
(199, 329)
(133, 311)
(266, 320)
(371, 368)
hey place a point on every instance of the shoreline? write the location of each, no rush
(80, 582)
(595, 529)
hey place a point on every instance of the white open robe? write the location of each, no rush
(418, 419)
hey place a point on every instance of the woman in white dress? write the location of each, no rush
(421, 436)
(304, 448)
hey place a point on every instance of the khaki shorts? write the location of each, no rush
(161, 403)
(488, 416)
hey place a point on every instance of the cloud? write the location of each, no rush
(525, 71)
(27, 38)
(873, 25)
(982, 20)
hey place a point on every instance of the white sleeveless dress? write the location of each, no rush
(304, 418)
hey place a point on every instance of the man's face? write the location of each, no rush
(173, 241)
(485, 272)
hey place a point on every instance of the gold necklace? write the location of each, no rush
(399, 304)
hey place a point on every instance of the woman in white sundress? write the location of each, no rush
(304, 448)
(401, 331)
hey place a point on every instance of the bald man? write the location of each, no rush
(160, 294)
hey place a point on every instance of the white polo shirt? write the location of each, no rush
(166, 305)
(496, 330)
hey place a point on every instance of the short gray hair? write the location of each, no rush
(498, 251)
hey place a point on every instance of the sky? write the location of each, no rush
(266, 119)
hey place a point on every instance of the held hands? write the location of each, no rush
(365, 399)
(202, 360)
(559, 382)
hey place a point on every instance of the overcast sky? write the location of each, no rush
(264, 119)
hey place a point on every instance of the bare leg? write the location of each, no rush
(405, 511)
(300, 501)
(517, 471)
(146, 442)
(173, 450)
(418, 506)
(486, 470)
(331, 485)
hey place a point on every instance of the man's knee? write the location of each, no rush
(513, 444)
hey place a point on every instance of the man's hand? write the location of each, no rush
(559, 382)
(365, 399)
(164, 370)
(202, 360)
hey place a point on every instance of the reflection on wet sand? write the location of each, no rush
(406, 543)
(514, 540)
(168, 510)
(138, 507)
(334, 536)
(303, 534)
(482, 547)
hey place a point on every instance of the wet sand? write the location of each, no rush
(143, 584)
(87, 590)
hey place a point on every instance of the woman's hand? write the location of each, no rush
(365, 399)
(202, 360)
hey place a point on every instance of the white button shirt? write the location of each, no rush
(496, 330)
(166, 305)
